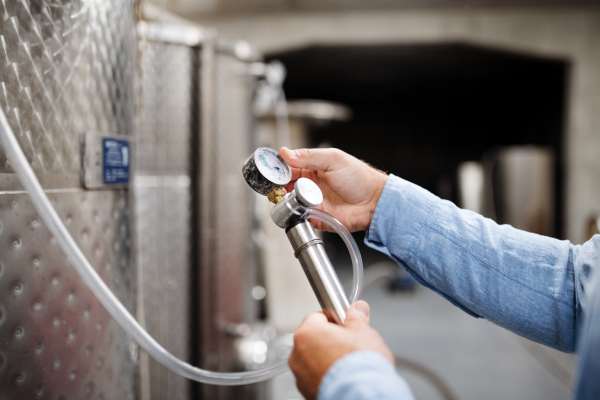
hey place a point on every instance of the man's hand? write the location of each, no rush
(351, 188)
(318, 344)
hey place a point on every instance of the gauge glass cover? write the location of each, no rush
(272, 166)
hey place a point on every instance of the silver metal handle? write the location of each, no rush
(309, 250)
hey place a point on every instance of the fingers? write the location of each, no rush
(315, 322)
(314, 159)
(320, 226)
(358, 315)
(311, 320)
(298, 173)
(290, 186)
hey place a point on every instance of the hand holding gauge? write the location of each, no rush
(268, 174)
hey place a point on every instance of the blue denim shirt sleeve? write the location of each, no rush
(530, 284)
(363, 375)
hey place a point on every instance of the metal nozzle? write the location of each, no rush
(309, 250)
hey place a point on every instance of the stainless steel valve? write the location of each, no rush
(290, 213)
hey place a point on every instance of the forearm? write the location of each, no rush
(521, 281)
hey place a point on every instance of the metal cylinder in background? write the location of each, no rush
(168, 125)
(225, 253)
(519, 188)
(512, 185)
(193, 208)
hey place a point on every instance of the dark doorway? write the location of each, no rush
(420, 110)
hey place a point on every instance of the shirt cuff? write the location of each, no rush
(363, 375)
(402, 209)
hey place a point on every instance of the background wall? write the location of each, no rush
(571, 33)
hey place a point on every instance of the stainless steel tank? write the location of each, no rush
(167, 125)
(512, 185)
(67, 69)
(193, 207)
(225, 253)
(520, 188)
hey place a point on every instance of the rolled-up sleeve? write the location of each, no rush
(363, 375)
(530, 284)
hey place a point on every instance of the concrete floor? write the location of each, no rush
(476, 359)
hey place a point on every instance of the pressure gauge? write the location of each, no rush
(267, 173)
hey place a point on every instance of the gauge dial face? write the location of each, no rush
(271, 166)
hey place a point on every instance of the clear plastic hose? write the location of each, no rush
(102, 292)
(357, 266)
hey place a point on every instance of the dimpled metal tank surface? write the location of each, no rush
(68, 68)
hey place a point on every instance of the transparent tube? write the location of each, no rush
(19, 162)
(357, 266)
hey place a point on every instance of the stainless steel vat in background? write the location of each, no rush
(67, 68)
(470, 182)
(512, 185)
(193, 208)
(166, 126)
(225, 253)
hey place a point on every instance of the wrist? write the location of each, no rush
(380, 182)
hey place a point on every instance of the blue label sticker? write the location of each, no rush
(116, 159)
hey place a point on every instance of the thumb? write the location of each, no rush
(358, 315)
(315, 159)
